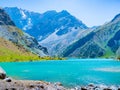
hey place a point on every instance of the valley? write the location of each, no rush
(65, 36)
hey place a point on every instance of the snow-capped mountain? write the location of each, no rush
(59, 22)
(55, 30)
(42, 25)
(65, 35)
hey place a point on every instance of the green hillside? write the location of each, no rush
(12, 52)
(103, 41)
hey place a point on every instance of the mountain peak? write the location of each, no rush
(50, 12)
(117, 17)
(64, 12)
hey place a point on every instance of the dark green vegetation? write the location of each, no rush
(77, 44)
(105, 42)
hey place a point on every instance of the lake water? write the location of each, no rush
(70, 73)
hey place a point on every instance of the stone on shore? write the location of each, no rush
(2, 73)
(8, 79)
(28, 85)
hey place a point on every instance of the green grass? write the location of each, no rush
(108, 53)
(10, 52)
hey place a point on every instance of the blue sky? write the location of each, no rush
(91, 12)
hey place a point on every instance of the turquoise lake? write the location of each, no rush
(70, 73)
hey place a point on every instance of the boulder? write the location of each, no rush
(107, 89)
(91, 85)
(58, 84)
(2, 73)
(119, 88)
(83, 88)
(8, 79)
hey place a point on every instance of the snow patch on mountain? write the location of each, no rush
(23, 14)
(40, 37)
(29, 25)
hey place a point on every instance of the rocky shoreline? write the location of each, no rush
(7, 83)
(41, 85)
(97, 87)
(29, 85)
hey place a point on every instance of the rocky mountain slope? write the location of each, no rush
(57, 44)
(54, 30)
(104, 41)
(14, 42)
(59, 22)
(65, 35)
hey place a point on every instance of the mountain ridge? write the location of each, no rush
(46, 23)
(60, 24)
(60, 31)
